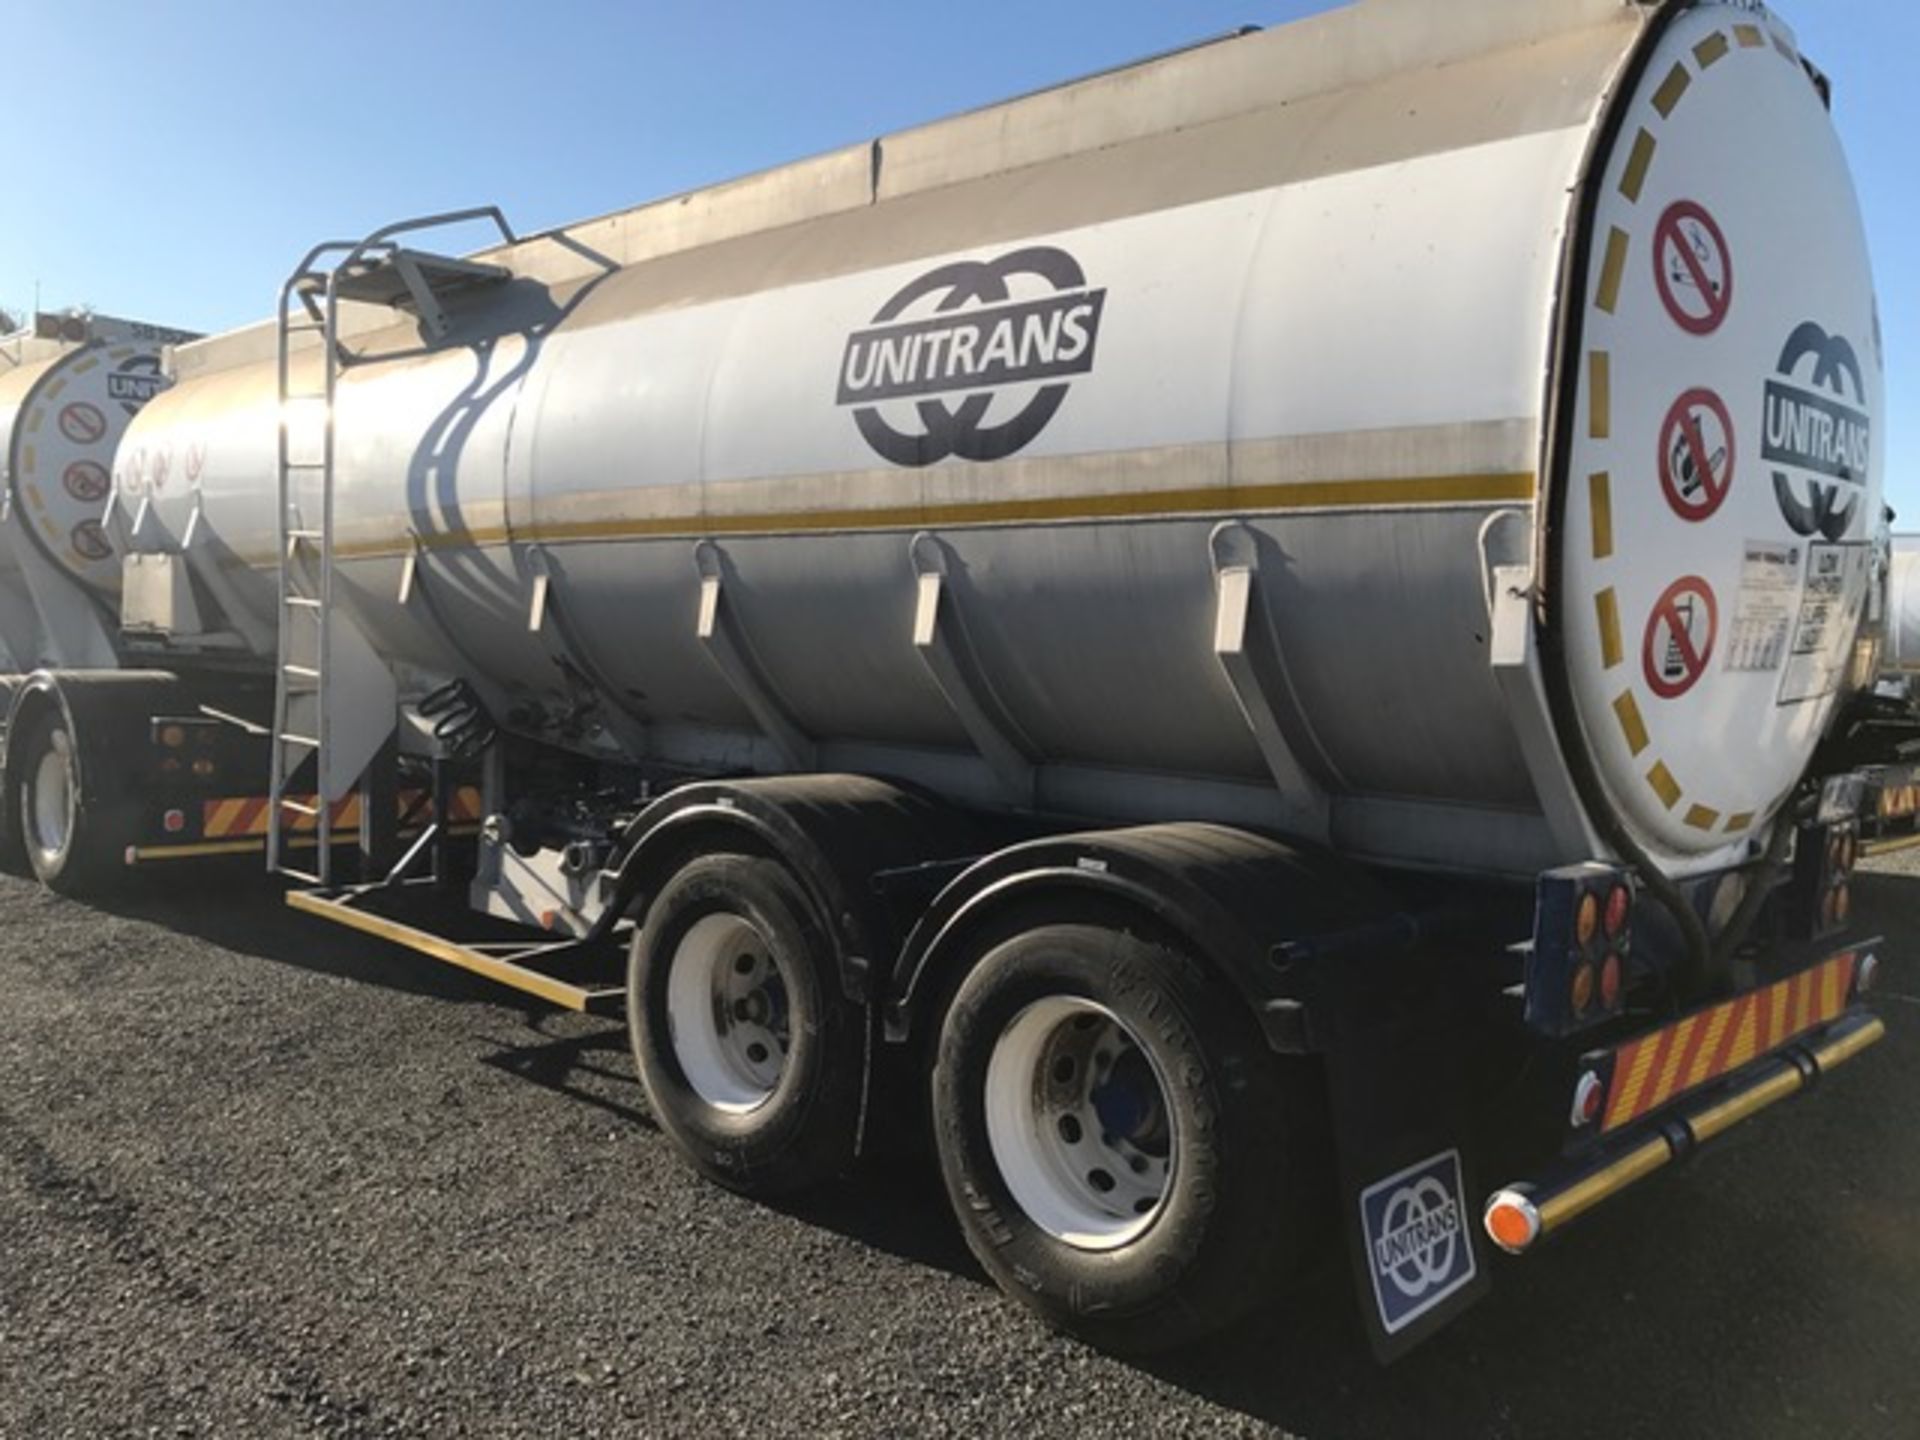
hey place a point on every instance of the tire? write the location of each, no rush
(64, 838)
(751, 1056)
(1186, 1210)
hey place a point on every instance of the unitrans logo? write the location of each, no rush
(1419, 1251)
(999, 338)
(1818, 440)
(135, 382)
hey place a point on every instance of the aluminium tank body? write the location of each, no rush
(1230, 408)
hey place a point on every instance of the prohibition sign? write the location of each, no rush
(1697, 454)
(1693, 268)
(1680, 635)
(90, 541)
(86, 481)
(82, 423)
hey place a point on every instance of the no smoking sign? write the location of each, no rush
(1693, 268)
(1697, 454)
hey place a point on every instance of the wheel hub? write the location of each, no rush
(727, 1012)
(1079, 1123)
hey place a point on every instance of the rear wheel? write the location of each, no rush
(1124, 1154)
(64, 840)
(751, 1056)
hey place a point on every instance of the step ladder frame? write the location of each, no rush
(320, 274)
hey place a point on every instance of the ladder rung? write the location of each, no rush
(288, 737)
(302, 672)
(303, 602)
(306, 534)
(299, 807)
(303, 875)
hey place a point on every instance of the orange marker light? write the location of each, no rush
(1587, 921)
(1511, 1222)
(1580, 994)
(172, 736)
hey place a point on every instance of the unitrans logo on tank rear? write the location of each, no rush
(1008, 333)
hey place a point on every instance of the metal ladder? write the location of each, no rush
(374, 271)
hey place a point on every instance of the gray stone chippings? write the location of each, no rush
(259, 1177)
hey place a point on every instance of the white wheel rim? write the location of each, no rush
(1079, 1124)
(51, 810)
(727, 1013)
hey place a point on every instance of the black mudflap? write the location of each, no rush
(1400, 1093)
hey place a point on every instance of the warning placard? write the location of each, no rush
(1764, 613)
(1829, 618)
(1679, 638)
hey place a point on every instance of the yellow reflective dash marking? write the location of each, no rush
(1701, 818)
(33, 420)
(1711, 50)
(1672, 89)
(1737, 824)
(54, 387)
(1627, 710)
(1606, 607)
(1638, 163)
(81, 367)
(1664, 785)
(1600, 395)
(1612, 269)
(1749, 36)
(1600, 502)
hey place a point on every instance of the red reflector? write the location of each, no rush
(1617, 902)
(1610, 982)
(1588, 1097)
(173, 822)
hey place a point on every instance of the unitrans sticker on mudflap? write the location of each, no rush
(1419, 1242)
(963, 330)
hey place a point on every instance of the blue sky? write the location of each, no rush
(171, 161)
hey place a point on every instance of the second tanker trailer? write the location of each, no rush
(1251, 635)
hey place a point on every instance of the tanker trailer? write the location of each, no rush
(1246, 640)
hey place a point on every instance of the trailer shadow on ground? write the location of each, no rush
(1766, 1282)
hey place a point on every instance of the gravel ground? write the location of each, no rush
(261, 1177)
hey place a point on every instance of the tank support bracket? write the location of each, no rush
(1249, 653)
(940, 636)
(1516, 666)
(719, 631)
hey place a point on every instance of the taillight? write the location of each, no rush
(1582, 933)
(1821, 890)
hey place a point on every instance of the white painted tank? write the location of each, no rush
(1901, 655)
(69, 386)
(1448, 432)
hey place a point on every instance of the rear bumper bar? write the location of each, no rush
(1519, 1216)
